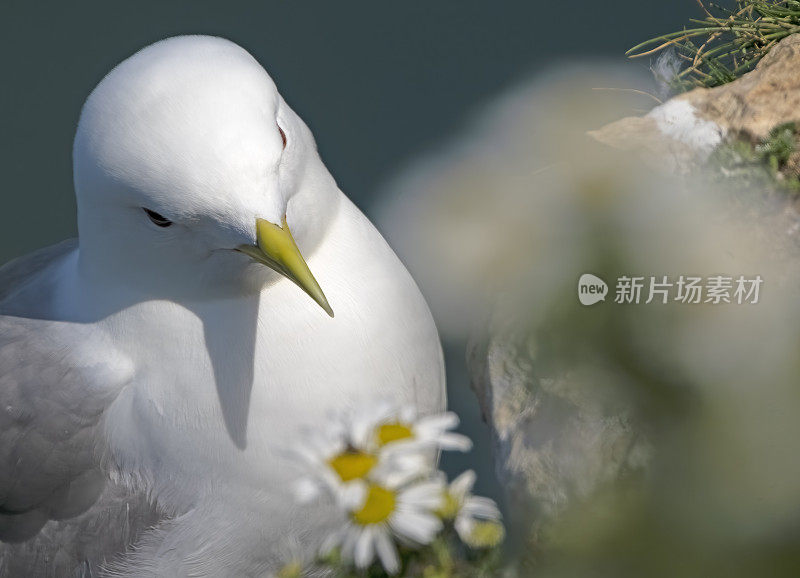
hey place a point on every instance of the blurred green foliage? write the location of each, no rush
(445, 557)
(760, 169)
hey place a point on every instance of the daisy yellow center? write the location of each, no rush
(291, 570)
(450, 507)
(352, 464)
(377, 508)
(486, 534)
(392, 432)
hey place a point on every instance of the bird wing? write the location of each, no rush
(16, 274)
(59, 509)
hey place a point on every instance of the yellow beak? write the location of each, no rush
(277, 250)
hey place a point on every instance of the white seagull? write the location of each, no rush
(222, 296)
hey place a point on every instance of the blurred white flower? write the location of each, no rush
(475, 518)
(514, 200)
(331, 463)
(392, 428)
(380, 440)
(382, 512)
(378, 465)
(334, 463)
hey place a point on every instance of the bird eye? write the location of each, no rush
(157, 219)
(283, 136)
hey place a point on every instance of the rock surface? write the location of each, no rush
(760, 100)
(672, 135)
(554, 444)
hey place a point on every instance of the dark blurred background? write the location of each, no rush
(378, 82)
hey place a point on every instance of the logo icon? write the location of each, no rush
(591, 289)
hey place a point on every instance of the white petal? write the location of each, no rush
(425, 494)
(386, 551)
(306, 490)
(480, 507)
(398, 479)
(383, 412)
(349, 542)
(413, 460)
(332, 541)
(397, 469)
(454, 442)
(419, 448)
(331, 444)
(331, 480)
(353, 495)
(362, 430)
(463, 484)
(364, 550)
(464, 526)
(407, 414)
(417, 526)
(437, 423)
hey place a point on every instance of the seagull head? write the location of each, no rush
(191, 171)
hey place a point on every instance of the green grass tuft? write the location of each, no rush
(727, 43)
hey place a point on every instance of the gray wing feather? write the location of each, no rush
(60, 513)
(16, 274)
(52, 396)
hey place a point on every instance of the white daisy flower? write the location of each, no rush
(322, 454)
(334, 462)
(381, 513)
(389, 428)
(475, 518)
